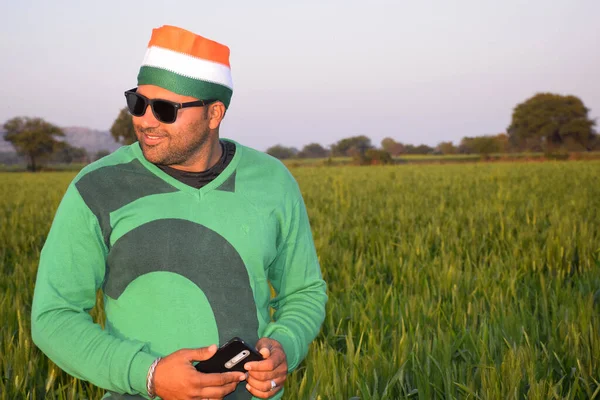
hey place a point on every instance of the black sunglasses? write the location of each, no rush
(164, 110)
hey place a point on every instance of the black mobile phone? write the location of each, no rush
(230, 357)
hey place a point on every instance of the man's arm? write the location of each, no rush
(71, 269)
(296, 277)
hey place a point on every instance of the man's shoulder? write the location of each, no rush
(265, 178)
(257, 155)
(122, 155)
(268, 170)
(267, 163)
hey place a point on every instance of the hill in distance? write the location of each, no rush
(91, 140)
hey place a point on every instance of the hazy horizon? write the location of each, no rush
(313, 71)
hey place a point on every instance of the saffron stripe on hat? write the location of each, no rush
(186, 42)
(185, 86)
(188, 66)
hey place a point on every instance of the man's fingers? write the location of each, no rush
(261, 382)
(266, 365)
(223, 379)
(266, 393)
(200, 354)
(276, 359)
(265, 384)
(215, 392)
(262, 374)
(280, 371)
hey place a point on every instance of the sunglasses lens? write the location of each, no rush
(136, 104)
(164, 112)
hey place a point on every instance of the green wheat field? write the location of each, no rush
(474, 281)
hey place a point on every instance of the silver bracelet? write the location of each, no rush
(150, 378)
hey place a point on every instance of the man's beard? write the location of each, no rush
(175, 148)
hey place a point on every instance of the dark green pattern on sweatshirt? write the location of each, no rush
(109, 188)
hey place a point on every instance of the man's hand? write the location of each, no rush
(272, 368)
(175, 378)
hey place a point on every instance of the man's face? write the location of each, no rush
(176, 144)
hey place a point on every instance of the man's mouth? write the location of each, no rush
(152, 139)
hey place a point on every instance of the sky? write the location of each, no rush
(312, 71)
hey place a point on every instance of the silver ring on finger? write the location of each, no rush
(273, 385)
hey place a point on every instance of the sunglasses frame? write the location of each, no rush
(176, 106)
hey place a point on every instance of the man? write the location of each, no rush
(186, 234)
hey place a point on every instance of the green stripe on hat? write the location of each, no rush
(199, 89)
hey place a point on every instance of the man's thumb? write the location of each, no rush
(265, 351)
(201, 354)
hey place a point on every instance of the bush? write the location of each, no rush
(557, 154)
(372, 157)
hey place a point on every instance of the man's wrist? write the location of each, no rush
(150, 379)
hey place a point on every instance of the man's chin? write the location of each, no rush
(152, 154)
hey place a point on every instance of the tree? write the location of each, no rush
(484, 145)
(313, 150)
(33, 138)
(376, 156)
(420, 149)
(595, 144)
(391, 146)
(122, 129)
(503, 142)
(372, 157)
(101, 153)
(348, 146)
(280, 152)
(446, 148)
(65, 153)
(466, 146)
(548, 121)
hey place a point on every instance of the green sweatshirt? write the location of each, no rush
(179, 267)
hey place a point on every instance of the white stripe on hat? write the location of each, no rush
(188, 66)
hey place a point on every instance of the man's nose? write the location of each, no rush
(148, 120)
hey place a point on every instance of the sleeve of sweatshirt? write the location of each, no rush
(71, 269)
(300, 291)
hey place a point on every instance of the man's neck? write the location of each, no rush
(205, 159)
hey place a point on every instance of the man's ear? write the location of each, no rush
(216, 113)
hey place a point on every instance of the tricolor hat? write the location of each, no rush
(187, 64)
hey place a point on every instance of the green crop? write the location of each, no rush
(478, 281)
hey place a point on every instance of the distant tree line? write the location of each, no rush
(546, 122)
